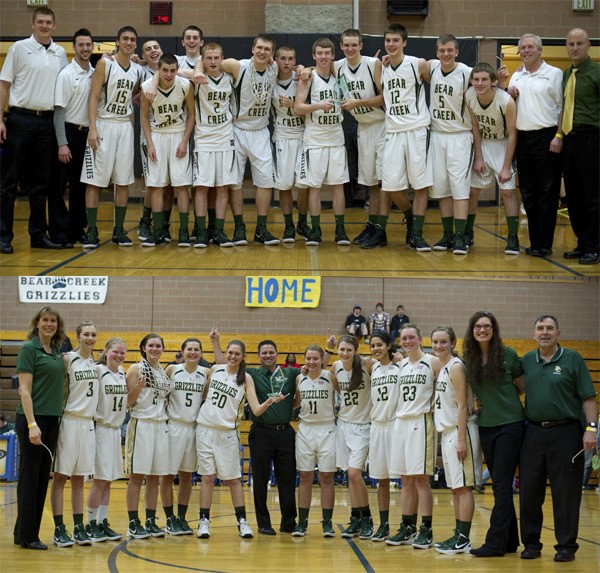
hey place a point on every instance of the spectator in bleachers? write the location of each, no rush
(356, 323)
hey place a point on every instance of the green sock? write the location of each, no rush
(339, 220)
(407, 519)
(382, 221)
(447, 224)
(327, 513)
(150, 513)
(470, 223)
(288, 220)
(120, 216)
(58, 520)
(464, 527)
(302, 217)
(418, 222)
(513, 225)
(413, 521)
(373, 219)
(409, 216)
(133, 515)
(427, 521)
(92, 216)
(146, 214)
(181, 510)
(240, 512)
(261, 220)
(384, 516)
(158, 219)
(205, 513)
(460, 226)
(365, 511)
(168, 511)
(219, 224)
(78, 518)
(212, 215)
(303, 513)
(355, 512)
(167, 216)
(457, 524)
(201, 223)
(238, 220)
(184, 220)
(315, 222)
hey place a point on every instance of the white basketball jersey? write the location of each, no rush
(317, 399)
(355, 405)
(449, 113)
(404, 95)
(491, 118)
(223, 401)
(287, 125)
(147, 73)
(115, 103)
(214, 127)
(446, 409)
(323, 128)
(168, 112)
(385, 389)
(361, 85)
(150, 405)
(248, 113)
(416, 387)
(185, 63)
(112, 397)
(186, 397)
(82, 397)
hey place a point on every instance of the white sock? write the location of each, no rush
(91, 513)
(102, 513)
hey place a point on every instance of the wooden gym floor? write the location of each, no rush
(486, 260)
(226, 552)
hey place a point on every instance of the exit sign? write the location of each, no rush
(161, 13)
(37, 2)
(583, 5)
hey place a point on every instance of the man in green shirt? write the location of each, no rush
(559, 396)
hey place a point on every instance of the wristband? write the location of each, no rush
(559, 135)
(32, 425)
(591, 429)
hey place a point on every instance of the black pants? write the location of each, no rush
(27, 156)
(34, 474)
(268, 445)
(550, 453)
(582, 181)
(70, 224)
(501, 446)
(539, 183)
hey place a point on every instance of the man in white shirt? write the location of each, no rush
(71, 125)
(30, 71)
(536, 88)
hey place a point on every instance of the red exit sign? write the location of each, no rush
(161, 13)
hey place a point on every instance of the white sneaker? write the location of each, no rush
(204, 528)
(244, 529)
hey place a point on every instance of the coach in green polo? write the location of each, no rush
(561, 410)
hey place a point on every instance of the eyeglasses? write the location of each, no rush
(482, 327)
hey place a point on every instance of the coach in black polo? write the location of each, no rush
(559, 404)
(272, 438)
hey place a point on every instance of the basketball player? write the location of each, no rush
(353, 383)
(453, 129)
(385, 391)
(496, 116)
(404, 158)
(455, 422)
(363, 99)
(110, 415)
(192, 39)
(217, 440)
(323, 160)
(288, 129)
(110, 150)
(214, 149)
(315, 439)
(167, 124)
(147, 435)
(254, 80)
(75, 449)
